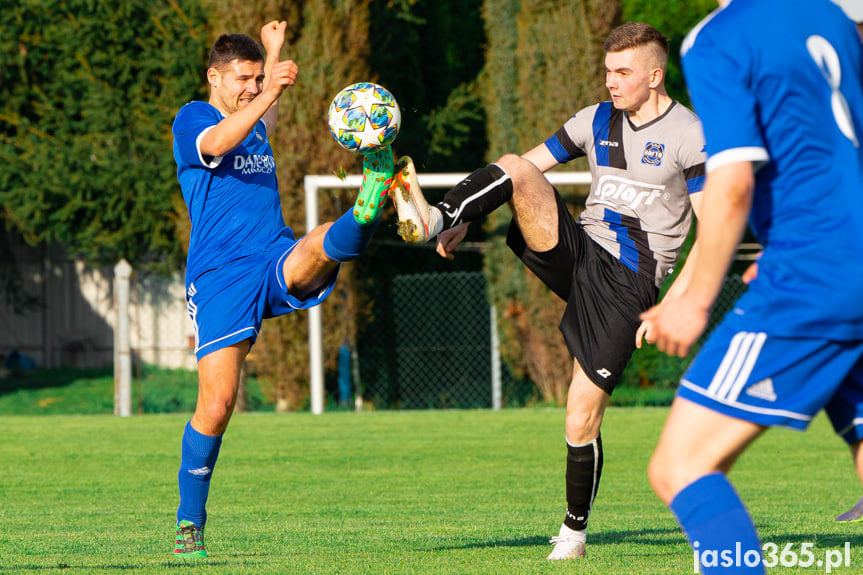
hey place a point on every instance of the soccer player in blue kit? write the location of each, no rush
(244, 263)
(777, 85)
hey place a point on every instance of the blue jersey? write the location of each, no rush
(778, 83)
(233, 200)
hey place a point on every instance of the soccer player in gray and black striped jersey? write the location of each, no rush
(646, 156)
(643, 178)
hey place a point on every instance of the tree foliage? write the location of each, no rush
(89, 91)
(429, 53)
(674, 19)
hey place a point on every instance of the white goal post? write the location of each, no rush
(313, 184)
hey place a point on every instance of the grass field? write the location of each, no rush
(384, 493)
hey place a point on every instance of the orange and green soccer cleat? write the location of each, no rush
(378, 169)
(189, 540)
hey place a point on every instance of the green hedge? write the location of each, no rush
(91, 391)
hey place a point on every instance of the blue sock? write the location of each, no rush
(196, 467)
(346, 239)
(719, 529)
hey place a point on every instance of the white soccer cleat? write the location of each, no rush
(417, 222)
(568, 544)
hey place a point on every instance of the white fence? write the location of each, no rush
(74, 324)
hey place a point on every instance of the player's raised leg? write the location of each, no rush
(483, 191)
(312, 262)
(511, 178)
(348, 236)
(533, 202)
(417, 221)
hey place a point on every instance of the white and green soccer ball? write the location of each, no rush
(364, 117)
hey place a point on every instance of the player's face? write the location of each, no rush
(235, 85)
(627, 79)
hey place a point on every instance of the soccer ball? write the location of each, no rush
(364, 117)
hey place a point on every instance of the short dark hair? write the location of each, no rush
(230, 47)
(633, 35)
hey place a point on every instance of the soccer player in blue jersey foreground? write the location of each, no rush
(244, 263)
(777, 85)
(646, 157)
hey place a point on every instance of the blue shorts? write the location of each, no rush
(228, 304)
(776, 381)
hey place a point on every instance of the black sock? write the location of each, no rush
(482, 192)
(583, 470)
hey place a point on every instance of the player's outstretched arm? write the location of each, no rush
(273, 39)
(233, 129)
(727, 200)
(541, 157)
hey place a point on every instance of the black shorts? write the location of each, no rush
(603, 297)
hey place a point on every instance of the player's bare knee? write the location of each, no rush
(659, 476)
(509, 162)
(582, 425)
(520, 171)
(669, 472)
(213, 417)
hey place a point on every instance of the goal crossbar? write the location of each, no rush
(313, 185)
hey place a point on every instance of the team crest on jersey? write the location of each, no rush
(652, 154)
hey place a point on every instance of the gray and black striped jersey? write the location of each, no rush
(638, 207)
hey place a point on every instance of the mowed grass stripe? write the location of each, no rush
(385, 492)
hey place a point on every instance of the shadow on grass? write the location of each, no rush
(193, 563)
(834, 540)
(91, 568)
(658, 537)
(161, 566)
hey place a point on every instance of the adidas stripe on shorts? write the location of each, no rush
(776, 381)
